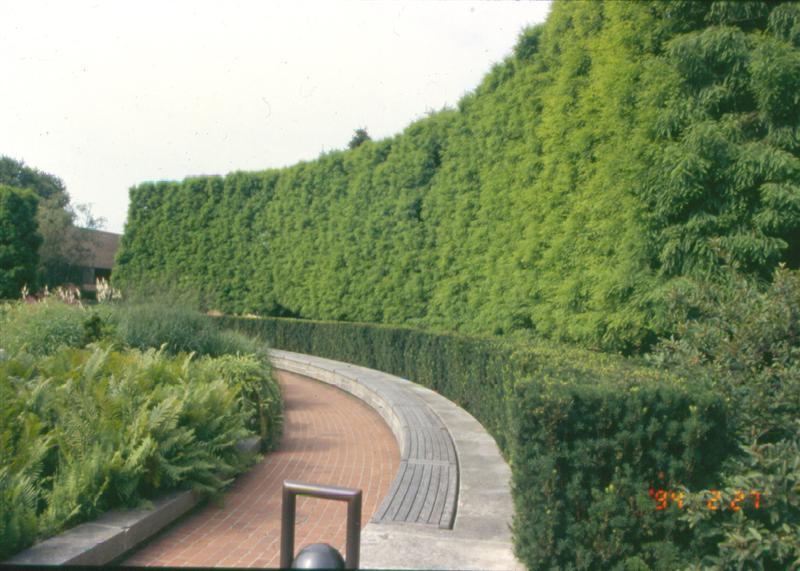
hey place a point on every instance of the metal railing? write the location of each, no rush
(288, 512)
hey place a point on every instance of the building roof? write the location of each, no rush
(101, 247)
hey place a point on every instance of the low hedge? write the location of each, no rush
(589, 443)
(587, 435)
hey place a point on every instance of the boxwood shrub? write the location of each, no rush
(587, 435)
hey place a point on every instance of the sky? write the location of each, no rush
(107, 94)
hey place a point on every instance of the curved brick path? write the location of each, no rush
(330, 437)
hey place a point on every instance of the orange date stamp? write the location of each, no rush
(664, 498)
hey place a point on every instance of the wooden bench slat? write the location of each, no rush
(430, 495)
(414, 489)
(422, 493)
(403, 489)
(383, 509)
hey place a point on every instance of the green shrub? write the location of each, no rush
(586, 450)
(23, 448)
(99, 324)
(180, 329)
(261, 402)
(744, 336)
(41, 328)
(19, 240)
(227, 342)
(586, 434)
(82, 431)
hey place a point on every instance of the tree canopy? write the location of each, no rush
(19, 240)
(46, 186)
(62, 247)
(360, 136)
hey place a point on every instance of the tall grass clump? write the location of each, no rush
(178, 328)
(41, 328)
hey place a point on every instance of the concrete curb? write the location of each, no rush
(105, 539)
(481, 535)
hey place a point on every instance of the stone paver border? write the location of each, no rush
(480, 537)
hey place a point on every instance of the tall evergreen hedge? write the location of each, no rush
(621, 145)
(587, 435)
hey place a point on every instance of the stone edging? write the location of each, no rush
(105, 539)
(481, 536)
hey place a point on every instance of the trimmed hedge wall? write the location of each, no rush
(620, 146)
(586, 434)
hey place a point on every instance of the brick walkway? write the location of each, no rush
(330, 437)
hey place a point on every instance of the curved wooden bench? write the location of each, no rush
(425, 488)
(450, 505)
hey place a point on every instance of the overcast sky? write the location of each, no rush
(108, 94)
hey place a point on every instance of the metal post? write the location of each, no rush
(353, 546)
(287, 527)
(353, 498)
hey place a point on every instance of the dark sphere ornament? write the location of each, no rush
(318, 556)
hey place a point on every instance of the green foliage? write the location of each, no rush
(46, 186)
(42, 328)
(767, 537)
(178, 328)
(586, 433)
(62, 246)
(19, 241)
(261, 402)
(745, 336)
(82, 431)
(620, 146)
(586, 450)
(20, 490)
(359, 137)
(726, 183)
(86, 430)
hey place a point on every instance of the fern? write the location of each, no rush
(85, 430)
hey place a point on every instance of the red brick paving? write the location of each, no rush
(329, 437)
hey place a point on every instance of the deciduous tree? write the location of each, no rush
(19, 240)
